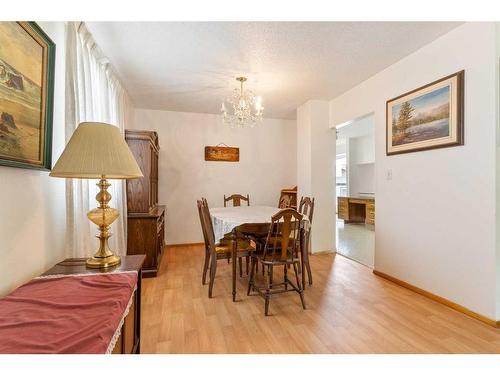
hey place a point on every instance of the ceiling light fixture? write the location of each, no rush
(246, 108)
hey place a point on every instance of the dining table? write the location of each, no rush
(251, 222)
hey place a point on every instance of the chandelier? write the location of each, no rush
(245, 109)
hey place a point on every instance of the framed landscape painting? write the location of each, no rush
(427, 118)
(26, 95)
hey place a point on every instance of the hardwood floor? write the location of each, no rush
(349, 310)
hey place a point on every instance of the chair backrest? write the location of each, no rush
(199, 203)
(237, 198)
(210, 226)
(285, 201)
(206, 224)
(306, 207)
(284, 234)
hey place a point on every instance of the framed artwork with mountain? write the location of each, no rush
(429, 117)
(26, 95)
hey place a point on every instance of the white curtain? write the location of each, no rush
(93, 93)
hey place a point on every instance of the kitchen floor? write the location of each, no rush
(357, 242)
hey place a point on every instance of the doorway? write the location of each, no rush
(355, 189)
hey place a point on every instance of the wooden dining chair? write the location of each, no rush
(237, 198)
(306, 207)
(205, 239)
(205, 230)
(215, 251)
(285, 201)
(281, 250)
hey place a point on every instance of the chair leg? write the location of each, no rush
(302, 271)
(252, 273)
(301, 290)
(205, 267)
(247, 262)
(306, 259)
(240, 262)
(257, 248)
(309, 272)
(271, 269)
(285, 276)
(268, 292)
(266, 308)
(213, 270)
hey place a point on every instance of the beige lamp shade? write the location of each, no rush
(96, 150)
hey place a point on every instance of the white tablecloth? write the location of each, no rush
(225, 219)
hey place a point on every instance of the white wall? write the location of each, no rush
(357, 127)
(361, 165)
(497, 80)
(341, 146)
(435, 225)
(267, 165)
(315, 170)
(304, 162)
(32, 214)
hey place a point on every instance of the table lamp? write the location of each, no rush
(98, 151)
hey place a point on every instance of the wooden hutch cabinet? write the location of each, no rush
(146, 219)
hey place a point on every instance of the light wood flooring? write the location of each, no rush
(349, 310)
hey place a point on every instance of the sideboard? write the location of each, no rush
(356, 209)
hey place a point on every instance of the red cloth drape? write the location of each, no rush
(70, 314)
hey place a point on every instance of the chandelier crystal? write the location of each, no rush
(245, 109)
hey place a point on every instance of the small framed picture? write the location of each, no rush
(26, 95)
(426, 118)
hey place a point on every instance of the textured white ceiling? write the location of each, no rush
(191, 66)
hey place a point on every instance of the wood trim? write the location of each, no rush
(443, 301)
(185, 244)
(323, 252)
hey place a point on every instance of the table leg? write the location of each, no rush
(233, 261)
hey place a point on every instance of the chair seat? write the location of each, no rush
(229, 236)
(276, 259)
(226, 246)
(222, 249)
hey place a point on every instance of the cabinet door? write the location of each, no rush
(129, 330)
(138, 189)
(152, 186)
(142, 239)
(155, 178)
(160, 234)
(128, 336)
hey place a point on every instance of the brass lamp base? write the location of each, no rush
(103, 216)
(95, 262)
